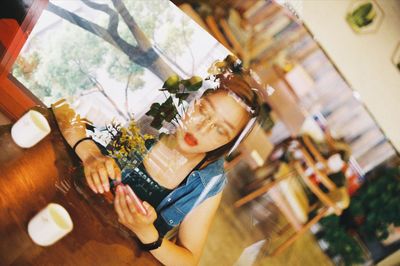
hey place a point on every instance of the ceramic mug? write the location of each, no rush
(50, 225)
(30, 129)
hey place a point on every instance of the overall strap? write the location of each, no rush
(197, 167)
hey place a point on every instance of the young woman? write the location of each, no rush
(182, 177)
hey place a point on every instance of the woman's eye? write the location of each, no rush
(222, 131)
(204, 110)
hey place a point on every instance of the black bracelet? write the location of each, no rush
(150, 246)
(79, 141)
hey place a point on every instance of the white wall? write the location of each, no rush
(364, 60)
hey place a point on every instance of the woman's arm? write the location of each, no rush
(192, 232)
(192, 235)
(97, 167)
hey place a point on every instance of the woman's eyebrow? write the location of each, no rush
(213, 107)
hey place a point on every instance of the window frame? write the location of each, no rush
(15, 98)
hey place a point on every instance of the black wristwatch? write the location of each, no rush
(150, 246)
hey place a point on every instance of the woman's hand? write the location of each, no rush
(98, 168)
(130, 216)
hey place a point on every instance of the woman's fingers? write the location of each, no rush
(148, 207)
(89, 180)
(130, 207)
(103, 177)
(124, 205)
(117, 172)
(91, 184)
(129, 201)
(98, 170)
(151, 212)
(117, 204)
(113, 170)
(97, 182)
(138, 206)
(110, 168)
(127, 210)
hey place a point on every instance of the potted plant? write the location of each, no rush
(376, 205)
(340, 242)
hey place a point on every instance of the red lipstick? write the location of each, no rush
(190, 139)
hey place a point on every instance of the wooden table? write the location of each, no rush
(48, 172)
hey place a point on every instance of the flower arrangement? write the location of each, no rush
(127, 143)
(126, 140)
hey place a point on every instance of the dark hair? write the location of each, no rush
(233, 77)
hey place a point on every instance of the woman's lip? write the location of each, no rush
(190, 139)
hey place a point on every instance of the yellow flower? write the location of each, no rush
(129, 139)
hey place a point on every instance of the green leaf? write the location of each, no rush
(363, 10)
(156, 123)
(164, 112)
(171, 114)
(154, 110)
(166, 106)
(359, 16)
(182, 96)
(169, 101)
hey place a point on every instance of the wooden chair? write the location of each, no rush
(333, 201)
(309, 144)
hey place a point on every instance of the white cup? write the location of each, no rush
(30, 129)
(50, 225)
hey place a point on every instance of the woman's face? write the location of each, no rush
(210, 122)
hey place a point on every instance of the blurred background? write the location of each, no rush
(318, 182)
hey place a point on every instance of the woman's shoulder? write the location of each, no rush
(213, 172)
(216, 165)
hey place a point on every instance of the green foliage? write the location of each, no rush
(64, 63)
(192, 84)
(121, 68)
(158, 20)
(340, 242)
(162, 112)
(150, 16)
(69, 56)
(179, 89)
(362, 16)
(378, 202)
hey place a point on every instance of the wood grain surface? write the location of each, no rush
(49, 172)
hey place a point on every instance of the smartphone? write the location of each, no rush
(138, 203)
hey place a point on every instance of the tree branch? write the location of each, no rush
(126, 96)
(173, 62)
(187, 45)
(100, 89)
(149, 57)
(143, 42)
(111, 37)
(113, 16)
(143, 54)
